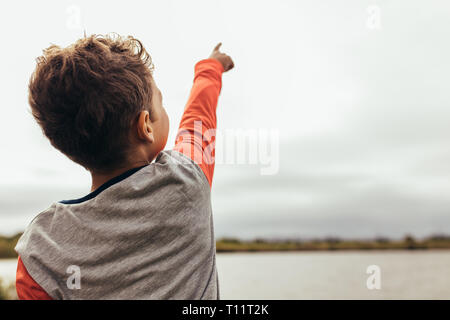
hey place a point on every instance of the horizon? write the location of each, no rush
(300, 239)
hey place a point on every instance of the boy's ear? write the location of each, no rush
(144, 127)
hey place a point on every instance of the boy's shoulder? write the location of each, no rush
(178, 166)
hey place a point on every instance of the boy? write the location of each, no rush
(145, 230)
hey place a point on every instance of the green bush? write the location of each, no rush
(7, 245)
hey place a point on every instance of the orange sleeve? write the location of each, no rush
(197, 131)
(27, 288)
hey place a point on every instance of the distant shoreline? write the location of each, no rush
(261, 245)
(230, 245)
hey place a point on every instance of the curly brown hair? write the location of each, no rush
(86, 96)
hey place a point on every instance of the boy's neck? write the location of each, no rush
(99, 179)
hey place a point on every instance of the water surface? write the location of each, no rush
(325, 275)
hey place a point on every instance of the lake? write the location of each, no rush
(325, 275)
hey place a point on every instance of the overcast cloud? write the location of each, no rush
(362, 114)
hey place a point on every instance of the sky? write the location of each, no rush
(354, 96)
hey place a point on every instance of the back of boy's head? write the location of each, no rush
(87, 96)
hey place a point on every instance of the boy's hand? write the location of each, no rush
(224, 59)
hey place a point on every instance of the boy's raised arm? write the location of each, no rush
(196, 134)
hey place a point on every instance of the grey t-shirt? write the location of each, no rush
(147, 234)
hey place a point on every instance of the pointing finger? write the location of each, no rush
(217, 47)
